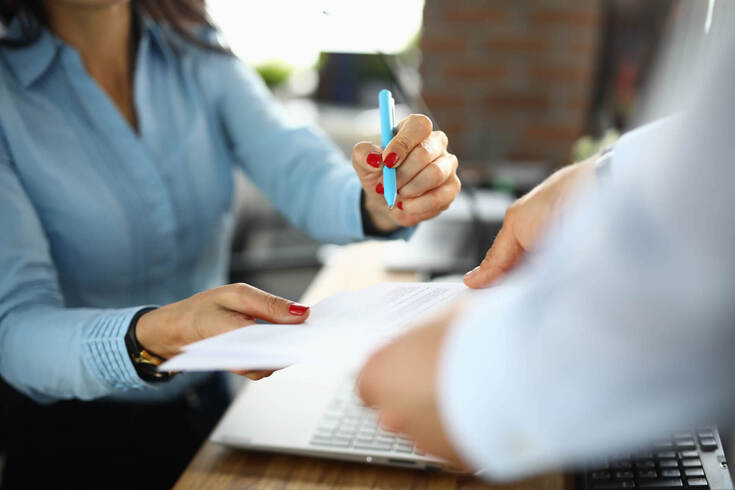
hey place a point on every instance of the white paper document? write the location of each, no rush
(342, 329)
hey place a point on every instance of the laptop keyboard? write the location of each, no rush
(687, 460)
(681, 461)
(347, 423)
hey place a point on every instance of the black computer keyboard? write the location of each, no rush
(692, 459)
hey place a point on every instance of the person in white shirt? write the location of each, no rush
(618, 324)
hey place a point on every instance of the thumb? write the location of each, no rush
(501, 258)
(255, 303)
(367, 159)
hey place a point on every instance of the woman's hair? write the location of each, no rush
(180, 15)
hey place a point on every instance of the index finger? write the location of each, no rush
(411, 131)
(255, 303)
(500, 259)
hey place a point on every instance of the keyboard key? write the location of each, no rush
(691, 463)
(661, 484)
(621, 465)
(663, 445)
(403, 449)
(645, 474)
(697, 482)
(373, 445)
(668, 463)
(328, 425)
(694, 472)
(685, 444)
(600, 475)
(688, 454)
(666, 455)
(705, 433)
(330, 442)
(611, 485)
(641, 456)
(683, 435)
(645, 465)
(671, 473)
(623, 475)
(708, 444)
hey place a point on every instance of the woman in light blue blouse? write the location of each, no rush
(118, 139)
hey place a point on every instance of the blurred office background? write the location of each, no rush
(521, 88)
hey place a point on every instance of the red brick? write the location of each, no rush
(583, 48)
(565, 17)
(443, 44)
(552, 133)
(475, 15)
(452, 128)
(435, 99)
(527, 154)
(475, 72)
(517, 101)
(518, 44)
(560, 74)
(578, 104)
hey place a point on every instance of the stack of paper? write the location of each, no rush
(344, 328)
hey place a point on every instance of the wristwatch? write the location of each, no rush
(145, 363)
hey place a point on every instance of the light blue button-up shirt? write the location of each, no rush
(97, 220)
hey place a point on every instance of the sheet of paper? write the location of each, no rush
(343, 328)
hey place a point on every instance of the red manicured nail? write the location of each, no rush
(379, 188)
(297, 309)
(374, 159)
(400, 205)
(391, 159)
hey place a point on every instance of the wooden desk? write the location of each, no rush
(219, 467)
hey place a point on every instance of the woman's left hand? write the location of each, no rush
(426, 174)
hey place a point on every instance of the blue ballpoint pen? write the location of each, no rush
(387, 126)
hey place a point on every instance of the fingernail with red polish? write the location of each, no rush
(379, 188)
(400, 205)
(374, 159)
(297, 309)
(391, 159)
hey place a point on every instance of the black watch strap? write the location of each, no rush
(143, 362)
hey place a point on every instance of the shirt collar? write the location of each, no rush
(155, 32)
(29, 62)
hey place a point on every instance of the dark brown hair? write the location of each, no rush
(180, 15)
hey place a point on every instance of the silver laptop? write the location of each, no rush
(314, 411)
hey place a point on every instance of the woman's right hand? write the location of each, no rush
(164, 331)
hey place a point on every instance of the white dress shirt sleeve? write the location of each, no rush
(620, 327)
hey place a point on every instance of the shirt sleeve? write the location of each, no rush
(307, 177)
(47, 351)
(620, 328)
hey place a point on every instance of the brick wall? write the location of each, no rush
(509, 79)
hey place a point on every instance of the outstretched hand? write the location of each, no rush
(527, 219)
